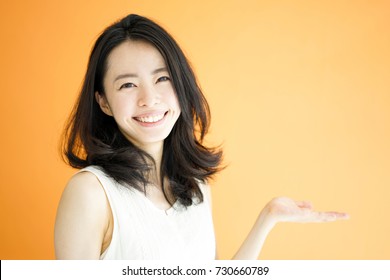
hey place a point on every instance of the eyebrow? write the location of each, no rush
(131, 75)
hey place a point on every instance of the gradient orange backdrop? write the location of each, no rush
(300, 99)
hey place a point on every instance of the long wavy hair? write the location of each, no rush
(92, 138)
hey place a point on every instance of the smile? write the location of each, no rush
(151, 119)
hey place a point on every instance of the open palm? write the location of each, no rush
(284, 209)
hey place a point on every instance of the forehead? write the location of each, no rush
(134, 56)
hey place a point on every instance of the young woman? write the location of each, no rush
(136, 133)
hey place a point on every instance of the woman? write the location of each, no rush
(136, 133)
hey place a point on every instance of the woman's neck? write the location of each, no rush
(155, 150)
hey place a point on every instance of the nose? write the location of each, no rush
(148, 97)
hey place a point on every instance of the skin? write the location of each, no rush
(138, 88)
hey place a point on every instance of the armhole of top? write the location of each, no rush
(104, 181)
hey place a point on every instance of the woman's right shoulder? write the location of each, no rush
(83, 217)
(86, 184)
(84, 190)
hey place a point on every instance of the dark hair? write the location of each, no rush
(92, 138)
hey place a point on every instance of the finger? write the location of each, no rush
(338, 215)
(329, 216)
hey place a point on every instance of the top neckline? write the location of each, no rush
(166, 212)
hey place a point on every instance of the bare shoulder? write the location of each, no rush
(82, 218)
(85, 193)
(85, 184)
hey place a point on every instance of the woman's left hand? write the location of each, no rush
(284, 209)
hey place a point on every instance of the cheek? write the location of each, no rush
(122, 108)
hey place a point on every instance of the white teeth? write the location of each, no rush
(151, 119)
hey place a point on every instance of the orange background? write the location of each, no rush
(300, 99)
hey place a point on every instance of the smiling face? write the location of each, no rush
(139, 94)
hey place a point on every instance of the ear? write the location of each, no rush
(103, 103)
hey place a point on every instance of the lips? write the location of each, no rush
(151, 117)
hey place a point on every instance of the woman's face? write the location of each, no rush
(139, 93)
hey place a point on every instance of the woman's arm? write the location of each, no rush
(82, 219)
(281, 209)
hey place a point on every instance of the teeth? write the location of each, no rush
(151, 119)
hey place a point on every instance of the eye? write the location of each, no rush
(163, 79)
(127, 85)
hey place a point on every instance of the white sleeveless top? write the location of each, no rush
(144, 232)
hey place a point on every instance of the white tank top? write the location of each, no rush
(144, 232)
